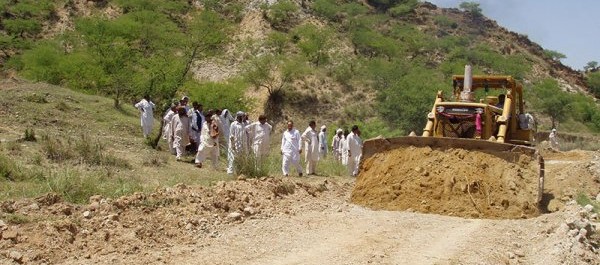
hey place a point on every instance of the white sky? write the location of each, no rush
(571, 27)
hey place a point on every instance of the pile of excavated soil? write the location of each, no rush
(48, 230)
(452, 182)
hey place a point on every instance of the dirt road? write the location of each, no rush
(293, 221)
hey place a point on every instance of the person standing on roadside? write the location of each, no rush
(323, 142)
(335, 144)
(180, 132)
(291, 148)
(226, 119)
(554, 140)
(167, 126)
(354, 144)
(196, 120)
(146, 108)
(237, 145)
(261, 137)
(344, 148)
(311, 143)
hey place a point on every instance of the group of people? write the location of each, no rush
(346, 148)
(191, 129)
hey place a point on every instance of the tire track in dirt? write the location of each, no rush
(354, 236)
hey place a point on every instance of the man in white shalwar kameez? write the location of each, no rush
(146, 108)
(260, 140)
(311, 145)
(226, 119)
(553, 137)
(196, 120)
(323, 142)
(209, 142)
(237, 146)
(291, 148)
(167, 127)
(180, 132)
(335, 144)
(344, 148)
(354, 146)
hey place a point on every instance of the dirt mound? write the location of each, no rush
(48, 230)
(453, 182)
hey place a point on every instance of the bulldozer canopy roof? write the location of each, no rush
(482, 81)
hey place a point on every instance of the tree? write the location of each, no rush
(554, 55)
(471, 7)
(591, 66)
(274, 73)
(552, 101)
(593, 82)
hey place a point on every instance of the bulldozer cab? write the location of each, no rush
(488, 117)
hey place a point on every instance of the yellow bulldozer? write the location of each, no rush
(496, 124)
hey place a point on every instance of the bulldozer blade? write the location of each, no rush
(508, 152)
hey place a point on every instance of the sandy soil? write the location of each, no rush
(290, 221)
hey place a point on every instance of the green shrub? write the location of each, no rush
(81, 150)
(56, 150)
(9, 170)
(214, 95)
(76, 188)
(338, 10)
(155, 160)
(406, 7)
(36, 98)
(593, 82)
(248, 165)
(281, 15)
(277, 41)
(583, 200)
(445, 22)
(29, 135)
(314, 42)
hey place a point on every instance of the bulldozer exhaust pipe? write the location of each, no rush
(467, 95)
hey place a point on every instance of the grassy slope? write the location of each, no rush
(68, 115)
(65, 116)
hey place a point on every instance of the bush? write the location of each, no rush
(471, 7)
(281, 15)
(314, 42)
(29, 135)
(81, 150)
(445, 22)
(583, 200)
(215, 95)
(248, 165)
(404, 8)
(76, 188)
(336, 11)
(593, 82)
(9, 170)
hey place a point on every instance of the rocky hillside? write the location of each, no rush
(378, 65)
